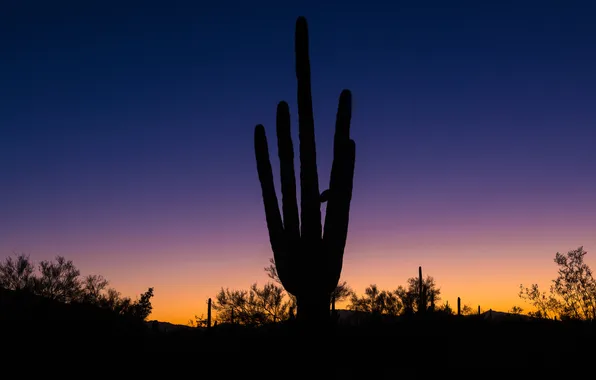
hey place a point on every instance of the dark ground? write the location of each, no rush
(87, 338)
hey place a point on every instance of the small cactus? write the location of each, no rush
(421, 293)
(432, 302)
(209, 313)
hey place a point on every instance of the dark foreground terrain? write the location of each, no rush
(39, 328)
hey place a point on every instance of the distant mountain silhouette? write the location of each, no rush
(161, 326)
(493, 315)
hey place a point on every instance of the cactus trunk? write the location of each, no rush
(308, 255)
(313, 309)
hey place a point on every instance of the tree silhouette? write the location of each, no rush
(572, 294)
(546, 305)
(376, 301)
(198, 321)
(142, 307)
(201, 321)
(61, 281)
(445, 309)
(58, 280)
(93, 288)
(17, 273)
(113, 300)
(467, 310)
(308, 256)
(254, 307)
(410, 296)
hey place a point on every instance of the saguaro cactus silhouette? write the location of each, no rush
(308, 255)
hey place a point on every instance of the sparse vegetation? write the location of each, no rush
(572, 295)
(254, 307)
(59, 280)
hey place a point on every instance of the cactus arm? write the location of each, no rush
(336, 243)
(309, 179)
(272, 214)
(340, 189)
(285, 151)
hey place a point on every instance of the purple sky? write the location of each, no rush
(126, 139)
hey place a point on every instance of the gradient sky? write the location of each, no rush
(126, 139)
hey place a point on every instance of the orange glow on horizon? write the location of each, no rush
(482, 267)
(491, 283)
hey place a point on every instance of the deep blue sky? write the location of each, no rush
(129, 124)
